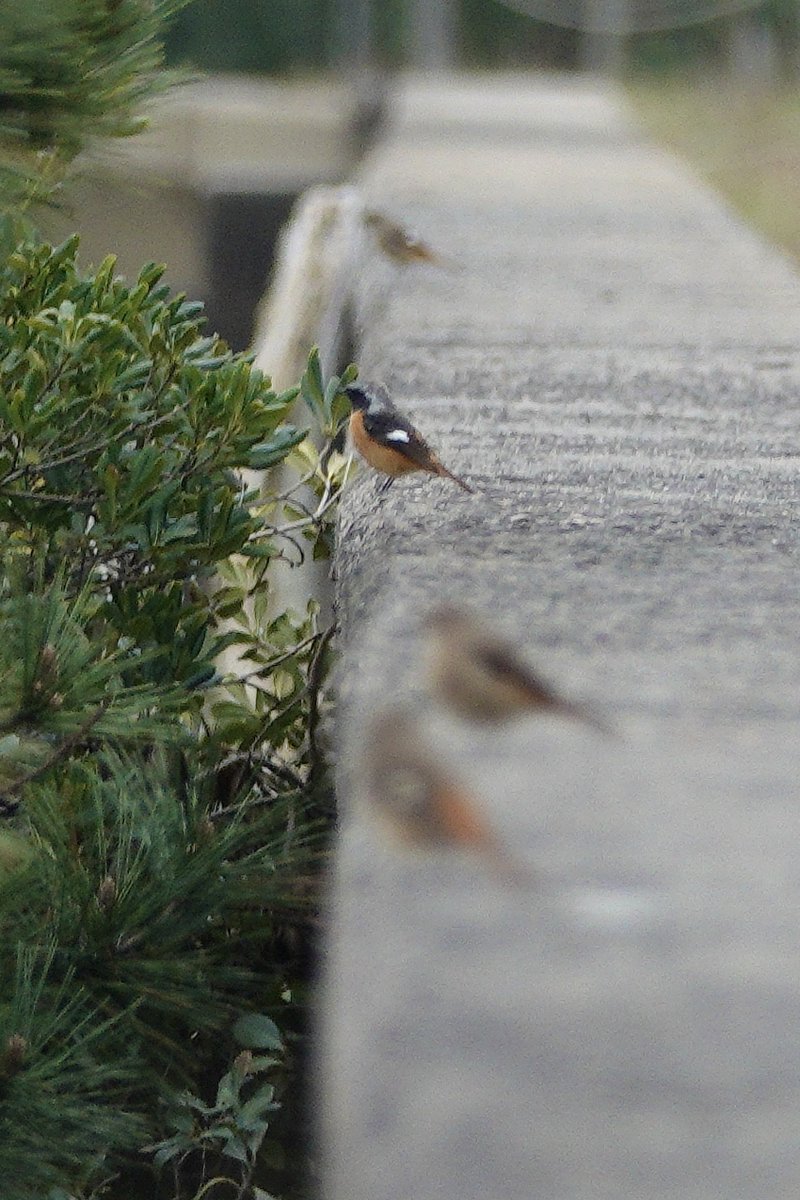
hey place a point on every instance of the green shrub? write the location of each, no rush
(121, 428)
(162, 823)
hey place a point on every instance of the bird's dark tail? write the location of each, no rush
(580, 712)
(443, 471)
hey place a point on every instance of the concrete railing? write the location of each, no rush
(614, 364)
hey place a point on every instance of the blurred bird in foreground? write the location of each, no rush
(398, 244)
(387, 440)
(482, 678)
(419, 801)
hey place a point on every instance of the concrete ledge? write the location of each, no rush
(230, 130)
(615, 363)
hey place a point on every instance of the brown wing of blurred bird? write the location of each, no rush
(398, 243)
(419, 801)
(481, 677)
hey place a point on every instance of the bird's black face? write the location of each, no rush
(368, 397)
(358, 397)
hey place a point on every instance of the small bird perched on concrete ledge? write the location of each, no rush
(418, 800)
(387, 440)
(481, 677)
(398, 243)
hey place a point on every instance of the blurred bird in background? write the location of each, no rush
(398, 244)
(417, 799)
(482, 678)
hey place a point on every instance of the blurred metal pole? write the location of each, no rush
(605, 30)
(353, 34)
(351, 53)
(433, 34)
(752, 52)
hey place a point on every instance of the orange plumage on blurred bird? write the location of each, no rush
(419, 801)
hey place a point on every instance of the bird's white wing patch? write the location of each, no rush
(397, 435)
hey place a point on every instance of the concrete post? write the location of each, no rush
(353, 34)
(751, 51)
(433, 34)
(605, 33)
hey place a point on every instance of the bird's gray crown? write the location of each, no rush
(368, 396)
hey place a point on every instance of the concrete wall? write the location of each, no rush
(614, 363)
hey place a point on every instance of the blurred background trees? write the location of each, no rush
(310, 35)
(290, 91)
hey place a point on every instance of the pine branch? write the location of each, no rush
(316, 674)
(61, 751)
(72, 71)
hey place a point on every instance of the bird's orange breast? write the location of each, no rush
(458, 820)
(379, 456)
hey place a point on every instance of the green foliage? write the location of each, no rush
(70, 71)
(234, 1126)
(121, 427)
(257, 1032)
(328, 404)
(57, 680)
(166, 912)
(162, 814)
(56, 1087)
(141, 910)
(162, 817)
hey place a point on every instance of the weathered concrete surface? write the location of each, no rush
(616, 365)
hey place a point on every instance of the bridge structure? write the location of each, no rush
(612, 359)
